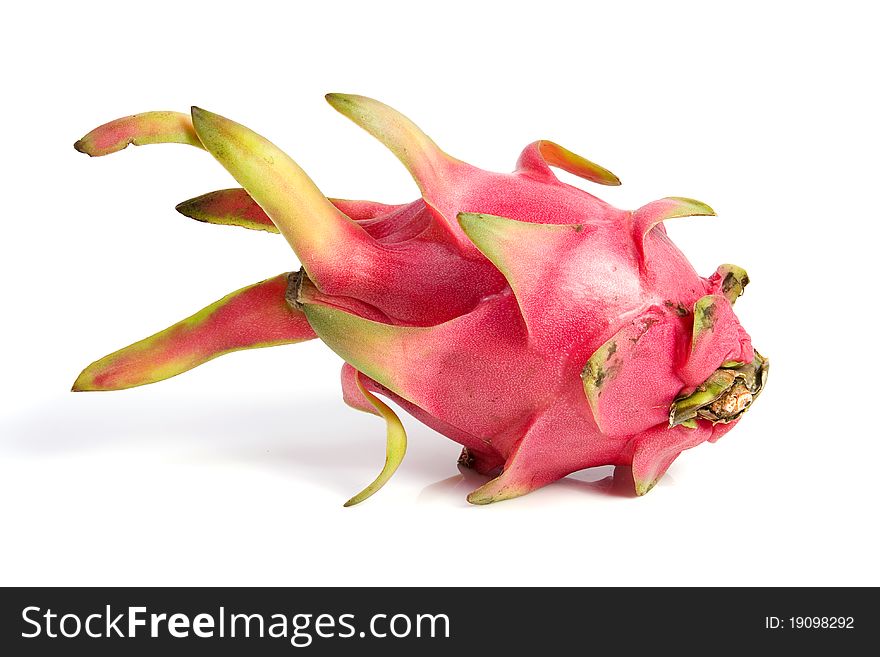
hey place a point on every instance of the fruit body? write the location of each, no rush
(533, 323)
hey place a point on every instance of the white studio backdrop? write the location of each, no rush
(235, 473)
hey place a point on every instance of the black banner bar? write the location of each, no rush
(429, 621)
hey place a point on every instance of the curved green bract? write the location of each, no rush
(252, 317)
(671, 207)
(395, 447)
(559, 156)
(139, 130)
(514, 246)
(704, 318)
(381, 351)
(227, 207)
(733, 281)
(596, 372)
(416, 150)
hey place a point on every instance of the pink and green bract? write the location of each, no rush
(527, 320)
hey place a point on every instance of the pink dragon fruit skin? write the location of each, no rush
(527, 320)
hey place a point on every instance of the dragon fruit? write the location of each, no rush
(536, 325)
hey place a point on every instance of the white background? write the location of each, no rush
(235, 473)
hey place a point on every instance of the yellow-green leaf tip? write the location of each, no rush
(688, 207)
(395, 445)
